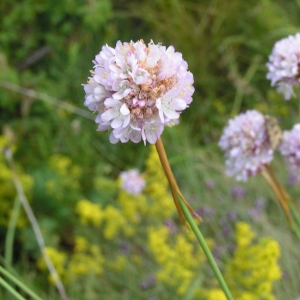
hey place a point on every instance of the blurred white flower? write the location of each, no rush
(290, 149)
(246, 144)
(132, 182)
(284, 65)
(137, 90)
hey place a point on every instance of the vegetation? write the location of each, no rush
(103, 241)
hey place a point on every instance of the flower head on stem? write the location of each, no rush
(247, 145)
(138, 89)
(290, 149)
(284, 65)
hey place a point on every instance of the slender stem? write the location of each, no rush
(19, 283)
(296, 230)
(206, 249)
(9, 239)
(295, 213)
(184, 210)
(10, 289)
(277, 182)
(34, 225)
(278, 195)
(285, 201)
(170, 177)
(290, 202)
(172, 181)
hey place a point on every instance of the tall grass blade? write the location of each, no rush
(9, 240)
(19, 284)
(11, 290)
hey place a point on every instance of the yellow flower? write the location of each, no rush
(254, 266)
(115, 223)
(177, 257)
(58, 260)
(86, 260)
(216, 294)
(89, 213)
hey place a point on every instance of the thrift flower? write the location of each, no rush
(247, 146)
(290, 149)
(137, 89)
(284, 65)
(132, 182)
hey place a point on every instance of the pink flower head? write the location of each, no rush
(137, 90)
(284, 65)
(132, 182)
(246, 144)
(290, 149)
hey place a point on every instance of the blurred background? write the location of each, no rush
(46, 52)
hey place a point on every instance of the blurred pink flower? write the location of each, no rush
(138, 89)
(132, 182)
(284, 65)
(290, 149)
(246, 144)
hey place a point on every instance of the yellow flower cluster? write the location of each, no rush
(89, 213)
(111, 218)
(133, 206)
(58, 259)
(157, 188)
(8, 191)
(216, 294)
(244, 235)
(115, 223)
(253, 268)
(85, 260)
(178, 259)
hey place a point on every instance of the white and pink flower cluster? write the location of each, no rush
(284, 65)
(247, 145)
(290, 149)
(138, 89)
(132, 182)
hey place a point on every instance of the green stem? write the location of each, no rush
(184, 209)
(296, 229)
(10, 289)
(295, 213)
(9, 239)
(34, 224)
(19, 283)
(287, 200)
(205, 248)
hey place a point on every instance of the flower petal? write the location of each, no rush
(124, 110)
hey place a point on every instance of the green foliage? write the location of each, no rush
(48, 47)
